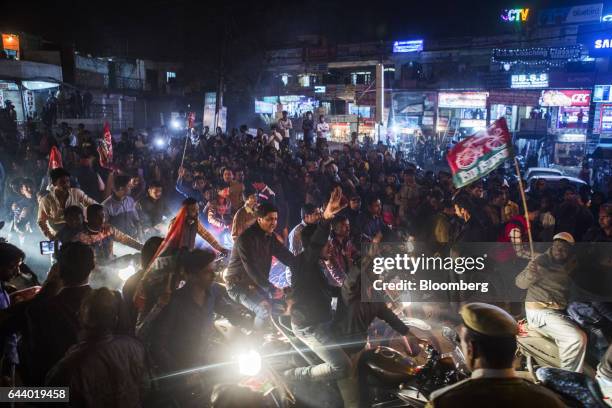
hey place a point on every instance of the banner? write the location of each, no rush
(536, 54)
(566, 97)
(480, 154)
(571, 15)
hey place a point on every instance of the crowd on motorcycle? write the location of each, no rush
(275, 235)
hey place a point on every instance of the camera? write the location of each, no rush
(49, 247)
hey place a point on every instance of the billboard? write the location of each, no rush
(462, 100)
(407, 46)
(265, 107)
(566, 97)
(10, 44)
(529, 81)
(586, 13)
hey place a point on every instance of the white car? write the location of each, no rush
(542, 171)
(553, 181)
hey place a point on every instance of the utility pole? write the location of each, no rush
(380, 96)
(221, 80)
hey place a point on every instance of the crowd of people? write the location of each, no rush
(258, 199)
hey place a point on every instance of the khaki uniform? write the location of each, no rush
(494, 393)
(488, 387)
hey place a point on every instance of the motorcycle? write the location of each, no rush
(576, 389)
(538, 350)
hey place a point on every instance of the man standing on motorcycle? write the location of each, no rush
(488, 341)
(547, 280)
(311, 314)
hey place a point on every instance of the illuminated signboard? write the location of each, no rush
(363, 111)
(607, 18)
(600, 46)
(571, 138)
(10, 43)
(606, 118)
(602, 93)
(319, 89)
(529, 81)
(569, 97)
(467, 100)
(265, 107)
(515, 15)
(407, 46)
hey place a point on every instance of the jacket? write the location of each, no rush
(243, 219)
(547, 282)
(251, 256)
(102, 372)
(151, 212)
(311, 292)
(182, 332)
(494, 392)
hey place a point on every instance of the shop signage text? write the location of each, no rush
(536, 54)
(571, 15)
(407, 46)
(569, 97)
(462, 100)
(515, 15)
(529, 81)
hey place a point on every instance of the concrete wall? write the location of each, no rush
(28, 70)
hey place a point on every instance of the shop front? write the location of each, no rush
(28, 97)
(463, 113)
(411, 112)
(570, 149)
(514, 105)
(569, 113)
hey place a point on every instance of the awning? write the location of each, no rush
(602, 152)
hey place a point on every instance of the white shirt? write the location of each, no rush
(322, 129)
(494, 373)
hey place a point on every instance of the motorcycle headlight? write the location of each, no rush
(249, 363)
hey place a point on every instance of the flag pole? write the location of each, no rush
(524, 199)
(187, 134)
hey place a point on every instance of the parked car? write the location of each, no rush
(553, 181)
(542, 171)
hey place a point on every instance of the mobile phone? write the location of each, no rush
(49, 247)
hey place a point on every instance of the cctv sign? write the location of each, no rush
(515, 15)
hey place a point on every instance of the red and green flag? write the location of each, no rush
(480, 154)
(105, 149)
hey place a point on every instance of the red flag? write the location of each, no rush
(55, 158)
(105, 149)
(480, 154)
(190, 120)
(172, 240)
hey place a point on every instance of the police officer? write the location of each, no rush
(488, 341)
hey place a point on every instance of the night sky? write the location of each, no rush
(183, 30)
